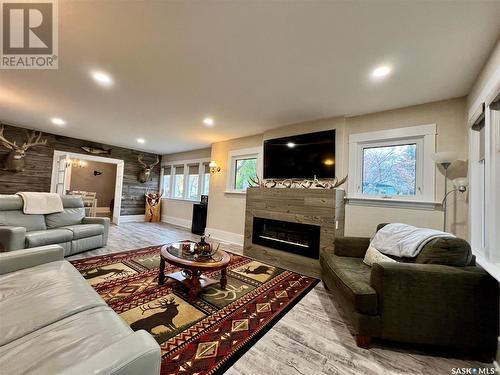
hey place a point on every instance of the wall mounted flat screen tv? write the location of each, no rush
(300, 156)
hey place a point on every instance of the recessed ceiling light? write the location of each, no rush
(381, 71)
(102, 78)
(58, 121)
(208, 121)
(291, 144)
(140, 140)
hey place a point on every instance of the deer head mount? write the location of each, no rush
(145, 173)
(15, 159)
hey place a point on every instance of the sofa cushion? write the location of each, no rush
(353, 279)
(60, 345)
(10, 202)
(449, 251)
(48, 237)
(72, 201)
(18, 219)
(85, 230)
(35, 297)
(70, 216)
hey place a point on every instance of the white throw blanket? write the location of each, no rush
(403, 240)
(41, 203)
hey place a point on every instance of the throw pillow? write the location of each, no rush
(374, 256)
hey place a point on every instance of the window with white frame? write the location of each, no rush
(484, 169)
(185, 180)
(167, 174)
(244, 165)
(393, 165)
(206, 178)
(178, 188)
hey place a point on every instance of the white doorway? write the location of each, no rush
(61, 178)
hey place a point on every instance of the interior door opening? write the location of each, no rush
(97, 179)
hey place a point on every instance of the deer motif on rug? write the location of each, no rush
(165, 317)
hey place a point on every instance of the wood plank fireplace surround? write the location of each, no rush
(290, 227)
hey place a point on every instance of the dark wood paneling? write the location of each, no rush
(38, 170)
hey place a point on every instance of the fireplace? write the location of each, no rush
(298, 238)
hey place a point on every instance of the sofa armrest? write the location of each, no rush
(138, 353)
(26, 258)
(441, 305)
(12, 238)
(351, 246)
(99, 220)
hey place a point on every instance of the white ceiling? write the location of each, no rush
(252, 65)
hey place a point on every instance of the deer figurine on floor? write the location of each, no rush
(14, 161)
(145, 173)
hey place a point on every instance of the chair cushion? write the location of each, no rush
(85, 230)
(70, 216)
(53, 290)
(48, 237)
(64, 343)
(19, 219)
(353, 279)
(448, 251)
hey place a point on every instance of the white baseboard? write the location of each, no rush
(102, 210)
(222, 235)
(132, 218)
(185, 223)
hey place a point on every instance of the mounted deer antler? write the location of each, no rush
(33, 139)
(15, 159)
(145, 173)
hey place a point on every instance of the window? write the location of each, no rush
(245, 169)
(178, 182)
(390, 170)
(186, 180)
(244, 165)
(193, 182)
(167, 174)
(206, 179)
(393, 165)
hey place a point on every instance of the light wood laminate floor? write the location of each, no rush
(311, 338)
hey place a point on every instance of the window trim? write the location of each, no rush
(185, 164)
(244, 153)
(425, 138)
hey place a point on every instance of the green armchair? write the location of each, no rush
(413, 302)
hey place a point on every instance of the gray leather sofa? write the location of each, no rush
(53, 322)
(70, 228)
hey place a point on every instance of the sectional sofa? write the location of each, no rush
(53, 322)
(70, 229)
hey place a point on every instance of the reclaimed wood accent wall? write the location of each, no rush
(38, 170)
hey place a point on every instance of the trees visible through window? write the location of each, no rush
(193, 182)
(179, 182)
(244, 170)
(390, 170)
(166, 181)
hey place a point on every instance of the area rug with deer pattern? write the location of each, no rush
(204, 336)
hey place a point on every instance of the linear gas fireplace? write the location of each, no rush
(298, 238)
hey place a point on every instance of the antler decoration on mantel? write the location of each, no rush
(298, 184)
(145, 173)
(14, 161)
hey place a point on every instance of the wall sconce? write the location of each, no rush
(213, 167)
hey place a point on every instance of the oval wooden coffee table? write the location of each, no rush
(179, 254)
